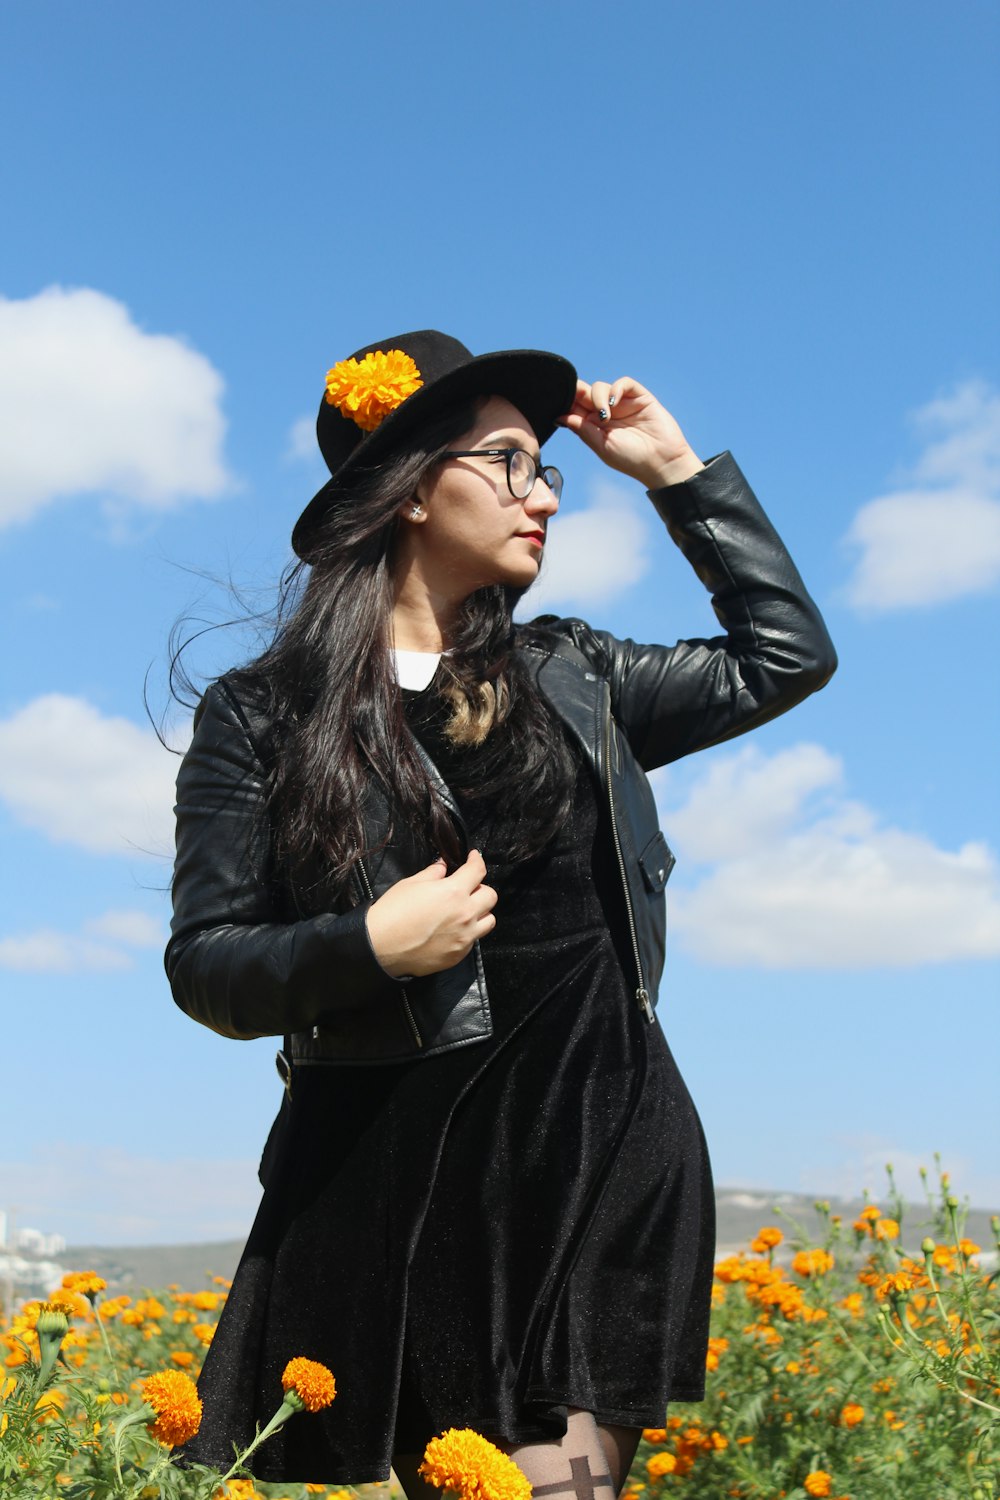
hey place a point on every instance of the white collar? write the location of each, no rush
(415, 669)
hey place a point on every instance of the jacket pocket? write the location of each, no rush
(656, 862)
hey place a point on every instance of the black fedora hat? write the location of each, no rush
(381, 394)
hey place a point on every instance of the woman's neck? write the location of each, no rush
(422, 620)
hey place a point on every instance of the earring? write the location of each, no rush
(415, 511)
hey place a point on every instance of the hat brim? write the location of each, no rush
(539, 384)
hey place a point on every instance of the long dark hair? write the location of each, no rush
(327, 683)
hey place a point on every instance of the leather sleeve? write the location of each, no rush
(775, 650)
(232, 964)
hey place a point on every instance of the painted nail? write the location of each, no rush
(612, 400)
(603, 411)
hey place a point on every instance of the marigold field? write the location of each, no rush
(864, 1367)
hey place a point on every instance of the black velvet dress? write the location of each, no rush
(487, 1236)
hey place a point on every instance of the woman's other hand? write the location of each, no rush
(630, 431)
(430, 920)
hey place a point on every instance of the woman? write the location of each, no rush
(419, 844)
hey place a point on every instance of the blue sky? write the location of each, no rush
(779, 217)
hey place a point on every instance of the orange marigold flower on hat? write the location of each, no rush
(817, 1482)
(469, 1465)
(174, 1399)
(367, 390)
(660, 1464)
(310, 1381)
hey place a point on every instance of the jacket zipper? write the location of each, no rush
(641, 994)
(404, 998)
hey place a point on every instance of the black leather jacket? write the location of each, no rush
(249, 959)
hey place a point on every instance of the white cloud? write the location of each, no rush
(801, 877)
(83, 778)
(100, 949)
(135, 929)
(938, 536)
(591, 555)
(108, 1196)
(91, 402)
(302, 443)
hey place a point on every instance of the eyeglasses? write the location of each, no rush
(522, 470)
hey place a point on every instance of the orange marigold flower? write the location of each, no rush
(237, 1489)
(715, 1348)
(870, 1212)
(310, 1381)
(655, 1434)
(852, 1414)
(968, 1247)
(817, 1482)
(660, 1464)
(886, 1229)
(894, 1285)
(182, 1357)
(367, 390)
(174, 1399)
(205, 1301)
(769, 1236)
(87, 1283)
(469, 1465)
(812, 1262)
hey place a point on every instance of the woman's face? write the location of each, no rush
(471, 531)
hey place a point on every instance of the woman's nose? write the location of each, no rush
(542, 500)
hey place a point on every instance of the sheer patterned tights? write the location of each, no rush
(590, 1463)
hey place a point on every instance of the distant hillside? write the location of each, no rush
(740, 1214)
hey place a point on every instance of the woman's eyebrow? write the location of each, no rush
(511, 440)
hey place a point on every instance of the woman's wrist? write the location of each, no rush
(673, 471)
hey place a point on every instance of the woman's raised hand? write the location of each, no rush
(627, 427)
(430, 920)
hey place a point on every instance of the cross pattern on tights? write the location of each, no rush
(583, 1483)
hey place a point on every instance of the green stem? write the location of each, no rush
(107, 1346)
(285, 1410)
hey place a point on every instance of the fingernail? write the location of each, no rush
(603, 411)
(612, 400)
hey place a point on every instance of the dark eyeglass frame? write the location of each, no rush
(550, 476)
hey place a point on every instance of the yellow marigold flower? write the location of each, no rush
(766, 1239)
(893, 1285)
(852, 1414)
(237, 1489)
(886, 1229)
(206, 1301)
(968, 1247)
(655, 1434)
(817, 1482)
(310, 1381)
(367, 390)
(471, 1466)
(812, 1262)
(870, 1212)
(182, 1357)
(660, 1464)
(174, 1399)
(87, 1283)
(204, 1331)
(793, 1367)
